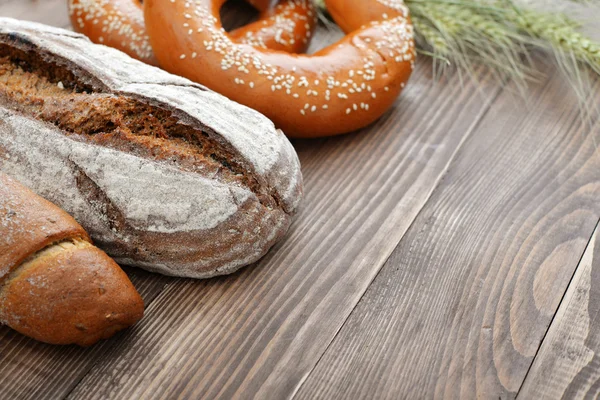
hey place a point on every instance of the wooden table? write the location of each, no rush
(449, 250)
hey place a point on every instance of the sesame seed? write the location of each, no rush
(233, 57)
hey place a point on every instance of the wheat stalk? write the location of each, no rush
(559, 33)
(501, 34)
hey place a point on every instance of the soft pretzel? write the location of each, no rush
(120, 24)
(339, 89)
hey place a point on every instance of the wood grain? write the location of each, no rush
(257, 333)
(460, 308)
(462, 305)
(335, 168)
(567, 364)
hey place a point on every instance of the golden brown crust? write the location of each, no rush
(69, 293)
(56, 286)
(28, 224)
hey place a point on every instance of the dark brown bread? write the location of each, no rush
(163, 173)
(55, 286)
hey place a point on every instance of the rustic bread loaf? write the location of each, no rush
(55, 286)
(163, 173)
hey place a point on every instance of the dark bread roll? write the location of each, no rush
(163, 173)
(55, 286)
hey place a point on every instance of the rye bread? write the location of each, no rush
(163, 173)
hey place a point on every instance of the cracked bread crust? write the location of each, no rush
(163, 173)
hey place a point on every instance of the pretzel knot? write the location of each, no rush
(339, 89)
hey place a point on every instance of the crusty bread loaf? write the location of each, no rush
(55, 286)
(163, 173)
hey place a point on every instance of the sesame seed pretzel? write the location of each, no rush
(120, 24)
(339, 89)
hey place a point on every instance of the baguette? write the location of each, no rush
(55, 286)
(163, 173)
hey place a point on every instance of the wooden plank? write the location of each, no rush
(51, 12)
(34, 370)
(258, 332)
(461, 306)
(567, 364)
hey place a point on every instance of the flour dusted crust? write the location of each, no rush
(143, 211)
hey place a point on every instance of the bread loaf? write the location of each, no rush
(163, 173)
(55, 286)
